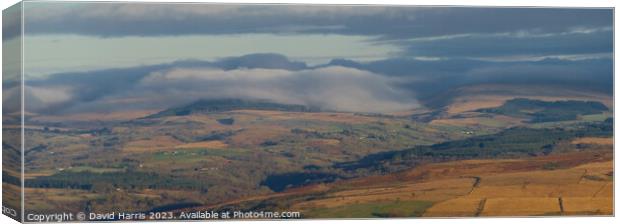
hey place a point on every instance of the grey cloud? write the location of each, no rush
(419, 31)
(596, 74)
(515, 44)
(429, 78)
(344, 85)
(92, 85)
(389, 22)
(329, 88)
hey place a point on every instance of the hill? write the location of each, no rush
(222, 105)
(544, 111)
(513, 142)
(474, 97)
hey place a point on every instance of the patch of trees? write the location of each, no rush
(226, 121)
(543, 111)
(107, 143)
(10, 179)
(124, 180)
(220, 105)
(512, 142)
(216, 135)
(323, 135)
(280, 182)
(269, 143)
(429, 116)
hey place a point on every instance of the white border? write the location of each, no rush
(546, 3)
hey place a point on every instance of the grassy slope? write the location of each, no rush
(244, 162)
(507, 187)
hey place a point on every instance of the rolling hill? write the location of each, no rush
(222, 105)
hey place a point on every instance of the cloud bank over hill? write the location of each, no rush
(383, 58)
(274, 78)
(341, 85)
(330, 88)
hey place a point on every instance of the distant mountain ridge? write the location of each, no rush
(220, 105)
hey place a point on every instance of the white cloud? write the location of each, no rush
(330, 88)
(50, 95)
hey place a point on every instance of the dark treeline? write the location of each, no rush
(219, 105)
(542, 111)
(10, 179)
(512, 142)
(113, 180)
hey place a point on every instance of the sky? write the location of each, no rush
(81, 57)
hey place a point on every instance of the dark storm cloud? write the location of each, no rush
(515, 44)
(122, 19)
(427, 78)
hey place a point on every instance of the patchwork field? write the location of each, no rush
(485, 160)
(469, 188)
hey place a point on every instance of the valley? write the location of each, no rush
(232, 154)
